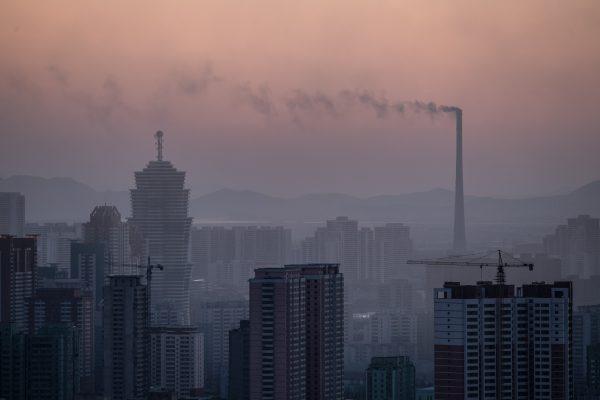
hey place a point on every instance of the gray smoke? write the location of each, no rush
(258, 100)
(99, 107)
(195, 82)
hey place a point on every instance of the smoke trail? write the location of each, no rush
(302, 101)
(259, 100)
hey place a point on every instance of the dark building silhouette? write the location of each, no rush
(12, 214)
(53, 371)
(126, 346)
(70, 307)
(105, 227)
(17, 278)
(239, 362)
(159, 206)
(390, 378)
(89, 267)
(13, 362)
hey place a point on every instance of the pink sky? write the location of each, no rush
(83, 86)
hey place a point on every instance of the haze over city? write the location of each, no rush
(314, 200)
(89, 83)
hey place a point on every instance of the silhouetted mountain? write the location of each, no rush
(65, 199)
(61, 199)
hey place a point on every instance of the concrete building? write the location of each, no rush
(12, 214)
(105, 227)
(296, 332)
(159, 205)
(176, 360)
(17, 278)
(215, 320)
(52, 367)
(68, 307)
(390, 378)
(577, 244)
(239, 362)
(500, 342)
(126, 346)
(13, 362)
(54, 244)
(392, 250)
(238, 249)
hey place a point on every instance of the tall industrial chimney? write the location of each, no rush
(460, 240)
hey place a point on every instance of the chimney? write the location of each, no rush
(460, 240)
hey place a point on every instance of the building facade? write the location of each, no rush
(74, 308)
(12, 214)
(176, 360)
(17, 278)
(390, 378)
(501, 342)
(297, 332)
(215, 320)
(159, 205)
(126, 347)
(239, 362)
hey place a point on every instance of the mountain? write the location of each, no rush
(64, 199)
(61, 199)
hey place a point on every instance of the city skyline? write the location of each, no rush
(216, 96)
(315, 200)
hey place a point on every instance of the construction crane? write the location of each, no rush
(477, 260)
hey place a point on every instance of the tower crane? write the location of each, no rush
(475, 260)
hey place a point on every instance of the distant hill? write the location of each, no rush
(61, 199)
(64, 199)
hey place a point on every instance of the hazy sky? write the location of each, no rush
(289, 97)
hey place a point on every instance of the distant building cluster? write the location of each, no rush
(152, 307)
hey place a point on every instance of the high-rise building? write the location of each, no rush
(216, 319)
(54, 244)
(297, 332)
(12, 214)
(71, 307)
(89, 268)
(13, 362)
(392, 249)
(376, 254)
(586, 335)
(159, 205)
(577, 244)
(239, 362)
(391, 378)
(53, 371)
(126, 346)
(592, 384)
(176, 360)
(239, 249)
(105, 226)
(501, 342)
(17, 278)
(39, 365)
(337, 242)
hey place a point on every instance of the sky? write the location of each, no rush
(289, 98)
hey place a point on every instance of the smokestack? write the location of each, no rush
(460, 240)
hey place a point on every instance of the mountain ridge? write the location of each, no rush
(66, 199)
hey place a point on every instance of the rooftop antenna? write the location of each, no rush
(159, 145)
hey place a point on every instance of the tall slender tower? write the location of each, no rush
(460, 240)
(159, 205)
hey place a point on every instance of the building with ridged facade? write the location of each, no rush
(159, 206)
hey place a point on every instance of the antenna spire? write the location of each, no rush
(159, 145)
